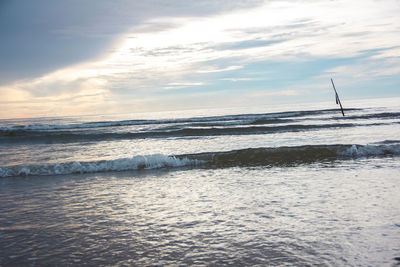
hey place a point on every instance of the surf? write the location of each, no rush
(250, 157)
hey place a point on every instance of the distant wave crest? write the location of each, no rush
(213, 120)
(196, 127)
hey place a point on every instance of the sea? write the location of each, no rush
(272, 185)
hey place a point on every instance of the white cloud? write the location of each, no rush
(299, 29)
(182, 85)
(383, 63)
(213, 69)
(241, 79)
(274, 93)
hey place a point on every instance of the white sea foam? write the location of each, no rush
(125, 164)
(357, 151)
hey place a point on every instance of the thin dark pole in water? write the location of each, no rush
(337, 97)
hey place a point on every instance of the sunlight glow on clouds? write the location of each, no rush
(201, 54)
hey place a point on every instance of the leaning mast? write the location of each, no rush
(337, 98)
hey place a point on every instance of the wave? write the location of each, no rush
(289, 156)
(167, 132)
(86, 125)
(268, 157)
(241, 124)
(382, 115)
(124, 164)
(219, 120)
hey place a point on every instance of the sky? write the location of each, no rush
(73, 57)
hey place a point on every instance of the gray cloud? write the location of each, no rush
(42, 35)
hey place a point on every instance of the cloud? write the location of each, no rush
(315, 29)
(213, 69)
(274, 93)
(202, 46)
(44, 35)
(72, 90)
(182, 85)
(373, 65)
(241, 79)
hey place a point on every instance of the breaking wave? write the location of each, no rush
(124, 164)
(268, 157)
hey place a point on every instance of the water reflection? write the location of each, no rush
(305, 215)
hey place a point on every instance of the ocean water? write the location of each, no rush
(270, 185)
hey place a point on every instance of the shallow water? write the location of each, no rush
(259, 186)
(340, 213)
